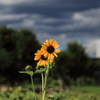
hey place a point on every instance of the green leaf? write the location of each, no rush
(27, 72)
(49, 86)
(51, 98)
(39, 71)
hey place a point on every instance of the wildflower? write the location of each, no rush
(20, 88)
(11, 88)
(42, 60)
(49, 49)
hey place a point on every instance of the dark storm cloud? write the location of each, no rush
(62, 20)
(55, 8)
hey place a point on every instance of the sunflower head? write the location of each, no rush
(43, 61)
(49, 49)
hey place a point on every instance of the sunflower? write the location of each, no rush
(49, 49)
(43, 61)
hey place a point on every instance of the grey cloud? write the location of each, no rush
(63, 20)
(54, 8)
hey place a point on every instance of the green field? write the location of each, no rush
(76, 93)
(87, 89)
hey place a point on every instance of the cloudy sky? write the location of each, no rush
(62, 20)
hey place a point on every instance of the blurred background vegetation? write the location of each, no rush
(73, 67)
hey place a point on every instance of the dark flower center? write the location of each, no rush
(50, 49)
(43, 58)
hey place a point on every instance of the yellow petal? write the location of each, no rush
(46, 63)
(51, 56)
(46, 54)
(44, 47)
(42, 63)
(57, 50)
(55, 44)
(38, 52)
(55, 54)
(51, 41)
(47, 43)
(38, 63)
(43, 52)
(36, 58)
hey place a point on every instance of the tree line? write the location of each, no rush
(17, 48)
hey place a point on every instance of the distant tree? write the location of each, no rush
(7, 46)
(61, 71)
(79, 60)
(72, 63)
(94, 70)
(27, 45)
(17, 50)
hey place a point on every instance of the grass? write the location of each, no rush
(91, 93)
(86, 89)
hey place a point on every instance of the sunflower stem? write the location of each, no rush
(44, 82)
(42, 86)
(33, 86)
